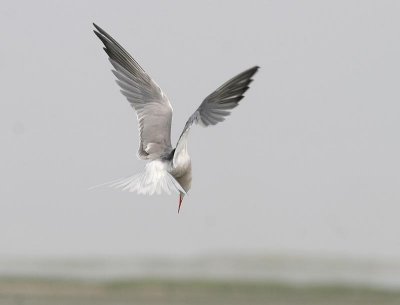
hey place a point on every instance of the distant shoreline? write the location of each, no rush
(189, 292)
(282, 269)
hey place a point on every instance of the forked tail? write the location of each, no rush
(155, 179)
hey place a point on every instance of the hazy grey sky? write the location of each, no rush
(309, 162)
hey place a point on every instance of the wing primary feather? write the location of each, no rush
(152, 106)
(218, 105)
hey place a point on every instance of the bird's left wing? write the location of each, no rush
(218, 105)
(152, 106)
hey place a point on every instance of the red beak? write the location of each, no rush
(180, 202)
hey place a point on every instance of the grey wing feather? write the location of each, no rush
(152, 106)
(218, 105)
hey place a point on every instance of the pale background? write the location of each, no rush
(308, 163)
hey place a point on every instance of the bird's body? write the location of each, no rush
(168, 169)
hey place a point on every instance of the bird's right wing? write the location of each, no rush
(218, 105)
(152, 106)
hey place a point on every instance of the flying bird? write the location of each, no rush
(168, 169)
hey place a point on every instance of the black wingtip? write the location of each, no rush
(97, 27)
(253, 70)
(97, 34)
(100, 32)
(250, 72)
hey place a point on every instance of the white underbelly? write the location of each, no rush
(181, 164)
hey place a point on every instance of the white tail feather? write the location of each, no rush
(154, 179)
